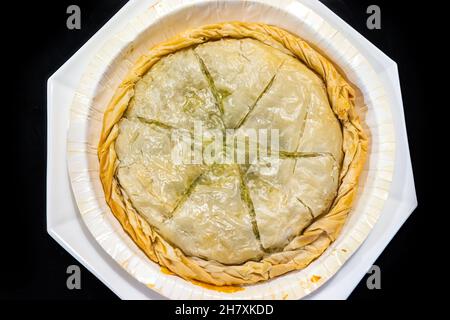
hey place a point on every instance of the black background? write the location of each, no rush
(37, 43)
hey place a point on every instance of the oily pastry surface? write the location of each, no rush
(232, 224)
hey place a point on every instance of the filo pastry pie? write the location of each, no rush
(231, 224)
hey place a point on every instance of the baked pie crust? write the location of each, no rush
(220, 224)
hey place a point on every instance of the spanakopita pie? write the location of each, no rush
(218, 220)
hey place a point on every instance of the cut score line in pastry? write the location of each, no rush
(253, 106)
(210, 81)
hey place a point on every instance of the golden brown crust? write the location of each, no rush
(303, 249)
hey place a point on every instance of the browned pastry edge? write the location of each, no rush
(303, 249)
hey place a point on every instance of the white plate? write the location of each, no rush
(64, 223)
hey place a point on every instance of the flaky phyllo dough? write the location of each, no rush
(232, 224)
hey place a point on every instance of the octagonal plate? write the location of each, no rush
(64, 222)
